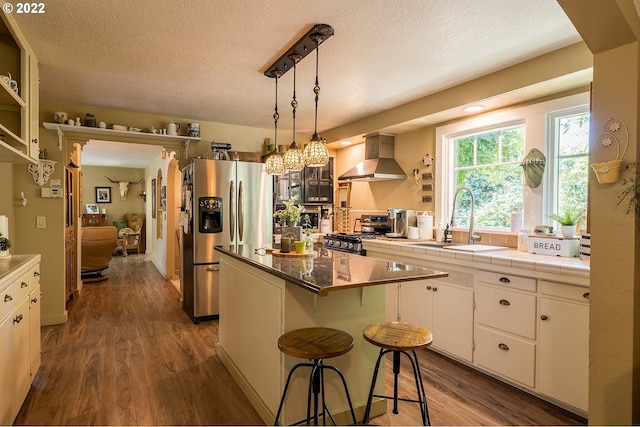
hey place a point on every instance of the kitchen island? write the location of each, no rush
(263, 296)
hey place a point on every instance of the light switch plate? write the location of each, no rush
(41, 222)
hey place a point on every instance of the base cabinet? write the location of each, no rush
(444, 309)
(19, 335)
(564, 330)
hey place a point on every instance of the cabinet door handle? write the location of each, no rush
(543, 317)
(435, 289)
(505, 280)
(429, 287)
(585, 295)
(24, 285)
(18, 319)
(8, 298)
(34, 300)
(504, 302)
(37, 273)
(34, 140)
(503, 346)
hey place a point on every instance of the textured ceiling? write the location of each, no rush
(204, 59)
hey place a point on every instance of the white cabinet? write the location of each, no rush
(506, 326)
(444, 309)
(19, 334)
(564, 331)
(18, 110)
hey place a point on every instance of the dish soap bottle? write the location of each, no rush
(448, 234)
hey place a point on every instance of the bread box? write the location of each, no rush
(554, 245)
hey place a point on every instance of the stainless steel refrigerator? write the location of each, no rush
(223, 203)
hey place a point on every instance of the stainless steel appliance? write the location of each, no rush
(223, 203)
(378, 224)
(346, 242)
(400, 220)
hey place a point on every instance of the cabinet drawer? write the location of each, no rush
(8, 300)
(507, 310)
(509, 356)
(22, 286)
(575, 293)
(509, 280)
(34, 276)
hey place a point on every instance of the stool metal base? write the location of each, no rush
(316, 388)
(422, 397)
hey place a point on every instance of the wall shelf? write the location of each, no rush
(106, 133)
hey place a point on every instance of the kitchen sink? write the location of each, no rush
(460, 246)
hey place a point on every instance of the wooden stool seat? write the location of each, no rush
(400, 339)
(398, 336)
(315, 343)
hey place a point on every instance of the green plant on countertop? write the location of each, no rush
(5, 243)
(290, 215)
(631, 191)
(570, 216)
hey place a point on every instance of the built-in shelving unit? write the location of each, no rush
(105, 133)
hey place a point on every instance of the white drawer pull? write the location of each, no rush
(505, 280)
(503, 346)
(8, 298)
(504, 302)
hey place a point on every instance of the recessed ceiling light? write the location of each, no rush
(474, 108)
(345, 143)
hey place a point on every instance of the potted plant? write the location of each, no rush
(5, 244)
(289, 217)
(568, 220)
(631, 191)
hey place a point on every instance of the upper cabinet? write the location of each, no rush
(310, 186)
(19, 97)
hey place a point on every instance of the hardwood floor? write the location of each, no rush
(129, 355)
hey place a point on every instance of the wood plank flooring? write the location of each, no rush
(129, 355)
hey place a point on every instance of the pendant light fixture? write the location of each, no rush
(316, 153)
(275, 163)
(294, 157)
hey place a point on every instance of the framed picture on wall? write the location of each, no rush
(153, 198)
(92, 208)
(103, 194)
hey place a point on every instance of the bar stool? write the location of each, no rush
(399, 338)
(315, 344)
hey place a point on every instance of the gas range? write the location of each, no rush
(347, 242)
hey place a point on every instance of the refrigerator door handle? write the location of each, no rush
(232, 210)
(240, 211)
(212, 269)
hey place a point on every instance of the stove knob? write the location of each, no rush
(350, 245)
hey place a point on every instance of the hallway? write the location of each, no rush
(129, 355)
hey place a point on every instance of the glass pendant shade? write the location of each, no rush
(275, 165)
(316, 154)
(294, 158)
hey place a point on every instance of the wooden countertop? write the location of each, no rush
(330, 270)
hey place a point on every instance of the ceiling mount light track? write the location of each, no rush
(302, 47)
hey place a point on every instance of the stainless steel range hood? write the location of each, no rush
(378, 163)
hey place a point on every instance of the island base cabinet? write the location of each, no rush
(34, 331)
(506, 355)
(564, 331)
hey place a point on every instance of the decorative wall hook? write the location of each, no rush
(23, 200)
(42, 171)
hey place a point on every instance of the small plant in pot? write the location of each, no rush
(5, 244)
(568, 220)
(289, 218)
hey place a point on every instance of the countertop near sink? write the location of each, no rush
(504, 257)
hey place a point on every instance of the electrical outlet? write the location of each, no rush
(41, 222)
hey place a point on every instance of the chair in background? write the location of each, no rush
(128, 239)
(97, 246)
(133, 223)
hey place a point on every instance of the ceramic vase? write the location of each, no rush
(5, 254)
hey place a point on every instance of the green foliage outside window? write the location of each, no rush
(489, 164)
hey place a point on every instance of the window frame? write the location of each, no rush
(535, 119)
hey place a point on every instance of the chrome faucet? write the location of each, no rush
(472, 236)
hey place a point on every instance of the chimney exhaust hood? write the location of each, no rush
(378, 163)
